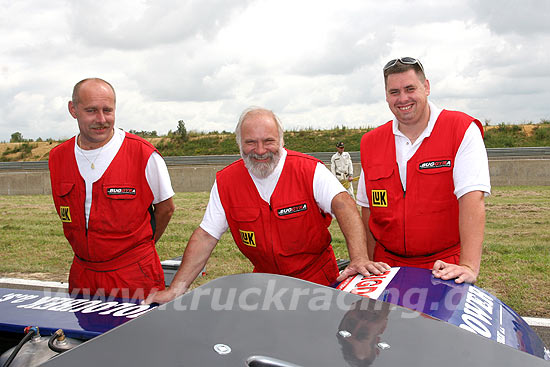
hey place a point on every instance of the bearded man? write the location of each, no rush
(278, 205)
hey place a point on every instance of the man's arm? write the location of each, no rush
(371, 242)
(471, 223)
(194, 259)
(163, 212)
(346, 213)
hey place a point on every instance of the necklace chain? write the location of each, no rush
(92, 165)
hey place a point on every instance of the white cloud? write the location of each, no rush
(526, 17)
(133, 24)
(315, 63)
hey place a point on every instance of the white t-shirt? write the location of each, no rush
(325, 188)
(471, 168)
(156, 171)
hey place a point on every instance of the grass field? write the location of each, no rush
(515, 262)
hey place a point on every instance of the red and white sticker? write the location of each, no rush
(370, 286)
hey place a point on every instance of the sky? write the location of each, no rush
(315, 63)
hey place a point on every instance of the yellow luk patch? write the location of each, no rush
(65, 214)
(379, 198)
(248, 238)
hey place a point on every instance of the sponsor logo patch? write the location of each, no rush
(435, 164)
(121, 191)
(379, 198)
(292, 209)
(248, 238)
(65, 214)
(370, 286)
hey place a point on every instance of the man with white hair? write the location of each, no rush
(278, 205)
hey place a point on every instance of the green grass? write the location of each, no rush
(317, 140)
(303, 141)
(516, 255)
(515, 262)
(508, 136)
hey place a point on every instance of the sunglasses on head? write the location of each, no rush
(403, 60)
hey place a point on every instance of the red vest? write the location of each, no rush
(424, 221)
(288, 236)
(121, 224)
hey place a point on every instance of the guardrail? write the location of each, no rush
(222, 160)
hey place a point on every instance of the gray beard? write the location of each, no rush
(261, 169)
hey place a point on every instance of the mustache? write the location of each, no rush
(258, 168)
(100, 126)
(266, 155)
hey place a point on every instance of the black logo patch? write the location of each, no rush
(292, 209)
(435, 164)
(121, 191)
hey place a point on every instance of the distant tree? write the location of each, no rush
(182, 131)
(144, 133)
(39, 140)
(16, 137)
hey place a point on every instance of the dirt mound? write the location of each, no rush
(527, 129)
(39, 152)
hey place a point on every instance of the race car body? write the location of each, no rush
(271, 320)
(45, 313)
(464, 305)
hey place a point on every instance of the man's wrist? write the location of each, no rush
(177, 289)
(469, 267)
(362, 258)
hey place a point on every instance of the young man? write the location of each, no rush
(424, 178)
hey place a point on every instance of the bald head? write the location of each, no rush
(76, 89)
(93, 106)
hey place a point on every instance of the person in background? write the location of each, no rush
(424, 178)
(342, 167)
(113, 194)
(278, 205)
